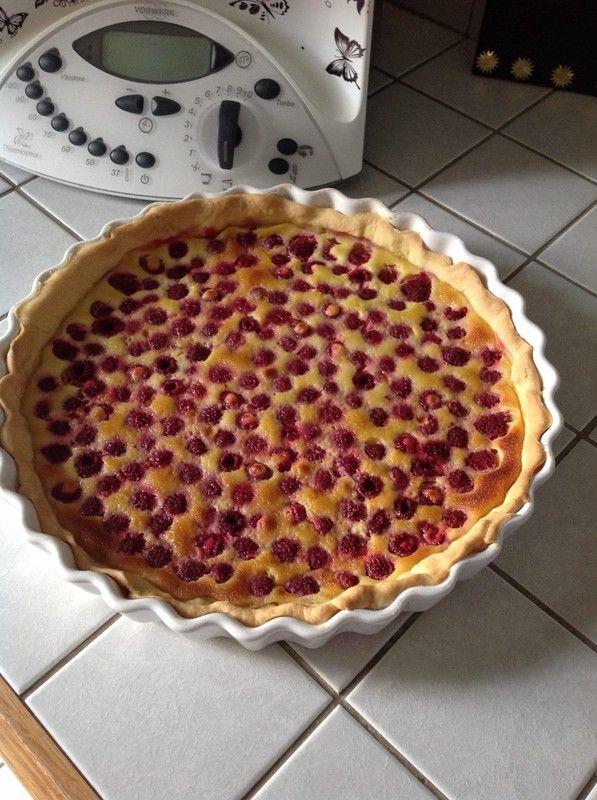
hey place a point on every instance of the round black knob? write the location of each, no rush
(145, 160)
(97, 147)
(78, 137)
(60, 122)
(267, 89)
(34, 90)
(119, 155)
(287, 147)
(278, 166)
(50, 61)
(45, 107)
(25, 72)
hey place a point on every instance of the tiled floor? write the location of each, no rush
(490, 695)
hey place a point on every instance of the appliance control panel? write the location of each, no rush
(117, 102)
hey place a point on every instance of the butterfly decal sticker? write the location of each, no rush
(13, 24)
(39, 3)
(348, 49)
(360, 5)
(264, 9)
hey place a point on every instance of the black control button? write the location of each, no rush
(145, 160)
(120, 155)
(50, 61)
(287, 147)
(133, 103)
(278, 166)
(34, 90)
(45, 107)
(78, 137)
(96, 147)
(25, 72)
(60, 122)
(267, 89)
(163, 106)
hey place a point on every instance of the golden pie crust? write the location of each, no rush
(407, 481)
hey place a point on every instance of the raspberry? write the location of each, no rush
(363, 380)
(247, 421)
(132, 544)
(330, 413)
(323, 480)
(456, 333)
(459, 481)
(144, 500)
(98, 309)
(177, 249)
(327, 368)
(155, 316)
(248, 380)
(406, 443)
(157, 341)
(429, 425)
(116, 523)
(456, 356)
(92, 507)
(286, 415)
(403, 544)
(318, 558)
(404, 350)
(295, 513)
(426, 468)
(47, 384)
(347, 463)
(182, 327)
(286, 550)
(454, 314)
(228, 462)
(369, 485)
(359, 254)
(375, 450)
(289, 485)
(177, 291)
(353, 399)
(263, 358)
(158, 556)
(172, 425)
(378, 417)
(403, 411)
(417, 288)
(454, 518)
(297, 367)
(42, 409)
(482, 460)
(196, 446)
(88, 463)
(175, 504)
(159, 523)
(160, 458)
(373, 336)
(428, 324)
(210, 415)
(359, 275)
(401, 387)
(302, 246)
(308, 395)
(428, 364)
(76, 331)
(353, 510)
(487, 399)
(211, 488)
(66, 491)
(431, 533)
(64, 350)
(255, 444)
(211, 545)
(245, 547)
(379, 522)
(405, 508)
(165, 364)
(314, 453)
(343, 438)
(347, 579)
(189, 569)
(490, 375)
(95, 388)
(108, 484)
(378, 567)
(387, 275)
(400, 331)
(430, 495)
(232, 522)
(242, 493)
(59, 427)
(224, 438)
(199, 276)
(438, 450)
(323, 525)
(457, 437)
(302, 585)
(457, 409)
(133, 471)
(215, 245)
(493, 425)
(282, 384)
(261, 585)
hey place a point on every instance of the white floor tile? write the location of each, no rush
(406, 40)
(34, 244)
(478, 243)
(554, 555)
(562, 126)
(488, 697)
(449, 78)
(340, 760)
(412, 137)
(173, 718)
(84, 212)
(4, 185)
(575, 253)
(344, 656)
(454, 13)
(14, 174)
(371, 182)
(42, 617)
(10, 788)
(568, 316)
(516, 194)
(377, 79)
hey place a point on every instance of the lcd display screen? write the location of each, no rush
(155, 57)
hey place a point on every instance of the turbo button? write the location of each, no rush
(267, 89)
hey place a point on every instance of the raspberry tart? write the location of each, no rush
(249, 405)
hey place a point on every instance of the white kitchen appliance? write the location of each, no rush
(154, 99)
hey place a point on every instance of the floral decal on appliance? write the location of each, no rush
(265, 9)
(13, 24)
(348, 49)
(360, 5)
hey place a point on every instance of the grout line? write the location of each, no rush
(566, 277)
(304, 664)
(380, 88)
(392, 750)
(545, 608)
(587, 788)
(568, 449)
(447, 105)
(48, 213)
(546, 157)
(260, 782)
(68, 657)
